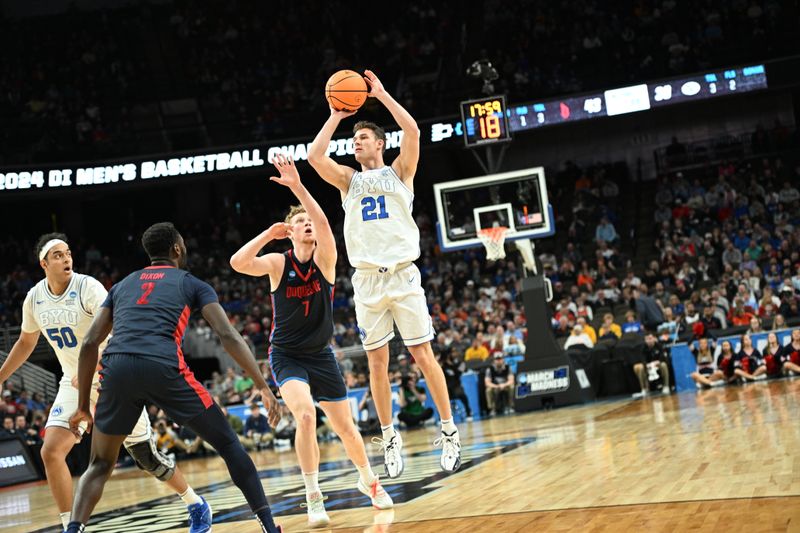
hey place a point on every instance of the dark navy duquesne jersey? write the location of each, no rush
(151, 309)
(302, 309)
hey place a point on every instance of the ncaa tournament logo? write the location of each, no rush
(292, 274)
(71, 298)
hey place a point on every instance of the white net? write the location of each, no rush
(493, 240)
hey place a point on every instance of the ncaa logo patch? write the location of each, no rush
(72, 294)
(292, 274)
(57, 410)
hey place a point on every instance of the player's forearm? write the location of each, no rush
(16, 357)
(319, 146)
(87, 364)
(400, 115)
(237, 349)
(247, 253)
(311, 206)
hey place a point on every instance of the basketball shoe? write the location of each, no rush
(200, 517)
(375, 492)
(392, 454)
(451, 451)
(317, 517)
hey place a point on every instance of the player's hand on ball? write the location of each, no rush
(279, 230)
(375, 86)
(75, 421)
(272, 405)
(341, 114)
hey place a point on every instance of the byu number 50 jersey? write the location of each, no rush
(379, 230)
(64, 319)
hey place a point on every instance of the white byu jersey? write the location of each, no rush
(379, 230)
(64, 320)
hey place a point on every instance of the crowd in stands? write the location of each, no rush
(82, 82)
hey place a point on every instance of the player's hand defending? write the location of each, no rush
(76, 419)
(376, 89)
(289, 177)
(272, 405)
(279, 230)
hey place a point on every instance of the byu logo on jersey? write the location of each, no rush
(58, 316)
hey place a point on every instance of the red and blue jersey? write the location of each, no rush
(302, 309)
(150, 310)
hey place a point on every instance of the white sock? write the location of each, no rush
(388, 432)
(311, 481)
(366, 474)
(65, 519)
(189, 497)
(448, 426)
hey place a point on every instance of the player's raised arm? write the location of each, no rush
(325, 255)
(406, 163)
(236, 347)
(331, 171)
(247, 261)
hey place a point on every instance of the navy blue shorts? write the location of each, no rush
(320, 371)
(129, 382)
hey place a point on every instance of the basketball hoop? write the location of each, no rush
(494, 239)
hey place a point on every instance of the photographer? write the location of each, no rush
(453, 368)
(412, 403)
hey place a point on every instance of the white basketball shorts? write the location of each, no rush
(384, 298)
(66, 403)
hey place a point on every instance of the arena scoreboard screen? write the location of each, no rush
(485, 121)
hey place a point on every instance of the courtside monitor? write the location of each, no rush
(515, 200)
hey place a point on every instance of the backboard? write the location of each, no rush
(517, 200)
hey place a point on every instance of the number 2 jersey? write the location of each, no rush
(151, 309)
(64, 319)
(379, 230)
(302, 309)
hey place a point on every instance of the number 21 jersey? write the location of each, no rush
(379, 230)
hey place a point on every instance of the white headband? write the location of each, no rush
(46, 248)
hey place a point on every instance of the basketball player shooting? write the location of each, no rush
(61, 306)
(300, 356)
(382, 242)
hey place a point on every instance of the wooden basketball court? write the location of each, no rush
(715, 460)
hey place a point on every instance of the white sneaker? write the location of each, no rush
(380, 499)
(664, 390)
(317, 517)
(641, 394)
(392, 454)
(760, 377)
(451, 451)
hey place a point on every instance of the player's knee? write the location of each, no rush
(307, 418)
(149, 459)
(52, 454)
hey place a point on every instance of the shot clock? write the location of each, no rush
(485, 121)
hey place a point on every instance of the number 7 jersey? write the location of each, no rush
(379, 230)
(64, 319)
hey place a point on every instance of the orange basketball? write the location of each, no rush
(346, 90)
